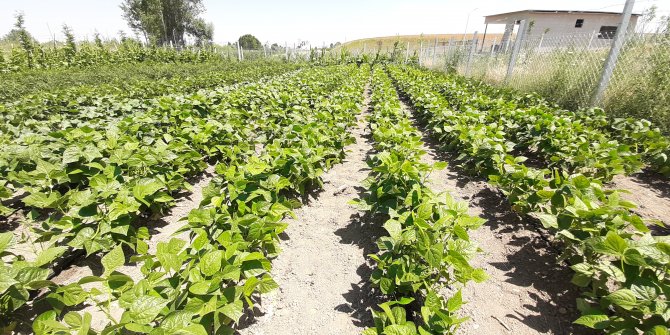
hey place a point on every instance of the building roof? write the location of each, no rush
(506, 17)
(551, 11)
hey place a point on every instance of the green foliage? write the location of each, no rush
(206, 285)
(621, 266)
(427, 244)
(70, 48)
(165, 22)
(132, 80)
(249, 42)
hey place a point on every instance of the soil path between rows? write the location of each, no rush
(322, 271)
(651, 196)
(527, 291)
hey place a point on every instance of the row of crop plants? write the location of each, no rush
(50, 120)
(85, 105)
(623, 269)
(102, 183)
(586, 141)
(35, 56)
(426, 246)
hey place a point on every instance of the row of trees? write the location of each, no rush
(159, 22)
(167, 22)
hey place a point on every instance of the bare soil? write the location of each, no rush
(322, 270)
(651, 196)
(527, 292)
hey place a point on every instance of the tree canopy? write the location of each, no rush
(250, 42)
(166, 22)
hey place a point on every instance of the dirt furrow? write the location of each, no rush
(322, 271)
(652, 197)
(527, 292)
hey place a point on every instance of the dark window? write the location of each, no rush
(607, 32)
(579, 23)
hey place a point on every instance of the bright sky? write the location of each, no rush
(294, 20)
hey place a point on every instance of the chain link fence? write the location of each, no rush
(565, 69)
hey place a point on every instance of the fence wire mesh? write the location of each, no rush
(565, 69)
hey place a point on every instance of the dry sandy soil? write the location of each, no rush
(652, 195)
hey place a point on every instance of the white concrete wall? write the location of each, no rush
(564, 23)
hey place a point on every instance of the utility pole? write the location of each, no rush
(610, 63)
(467, 21)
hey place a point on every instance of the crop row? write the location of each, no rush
(45, 112)
(427, 245)
(623, 269)
(35, 56)
(140, 164)
(586, 141)
(559, 139)
(92, 116)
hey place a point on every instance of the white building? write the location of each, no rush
(559, 23)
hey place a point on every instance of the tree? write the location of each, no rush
(27, 42)
(165, 22)
(70, 45)
(202, 31)
(250, 42)
(14, 37)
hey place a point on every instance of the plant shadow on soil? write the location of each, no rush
(531, 259)
(362, 230)
(655, 181)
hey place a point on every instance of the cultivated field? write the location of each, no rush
(188, 194)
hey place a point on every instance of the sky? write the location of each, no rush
(318, 22)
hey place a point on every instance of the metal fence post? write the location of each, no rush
(420, 51)
(434, 52)
(239, 53)
(450, 49)
(610, 63)
(407, 53)
(515, 50)
(286, 50)
(473, 47)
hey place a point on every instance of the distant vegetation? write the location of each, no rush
(166, 22)
(250, 42)
(387, 42)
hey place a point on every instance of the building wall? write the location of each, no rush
(564, 23)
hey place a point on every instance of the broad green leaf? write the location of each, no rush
(233, 310)
(623, 298)
(113, 260)
(612, 245)
(47, 256)
(455, 302)
(145, 308)
(595, 321)
(210, 263)
(6, 241)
